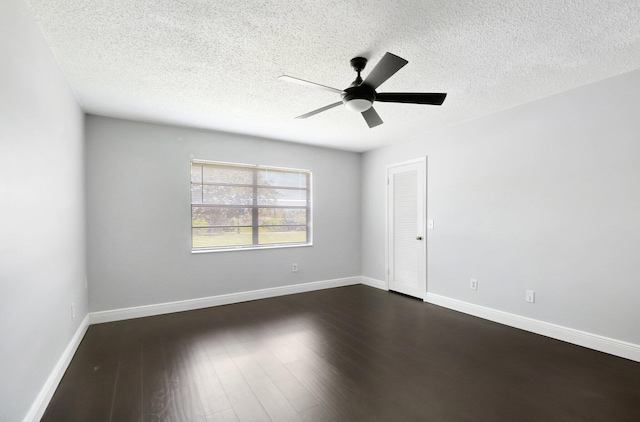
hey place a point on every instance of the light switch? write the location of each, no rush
(430, 224)
(530, 296)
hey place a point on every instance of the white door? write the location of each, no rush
(406, 211)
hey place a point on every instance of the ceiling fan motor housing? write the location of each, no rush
(359, 98)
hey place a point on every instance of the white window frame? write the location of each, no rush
(254, 209)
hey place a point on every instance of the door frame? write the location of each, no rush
(423, 220)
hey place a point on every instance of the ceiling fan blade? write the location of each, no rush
(386, 67)
(371, 117)
(320, 110)
(307, 83)
(412, 97)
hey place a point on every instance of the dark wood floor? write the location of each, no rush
(346, 354)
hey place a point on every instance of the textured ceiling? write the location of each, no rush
(213, 64)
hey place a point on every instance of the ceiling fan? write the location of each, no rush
(361, 94)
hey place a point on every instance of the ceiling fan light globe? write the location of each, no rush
(358, 105)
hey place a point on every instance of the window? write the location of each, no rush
(238, 206)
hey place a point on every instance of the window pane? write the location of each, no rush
(282, 178)
(196, 194)
(239, 175)
(214, 216)
(227, 195)
(282, 197)
(196, 173)
(266, 235)
(212, 238)
(281, 216)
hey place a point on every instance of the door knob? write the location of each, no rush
(418, 237)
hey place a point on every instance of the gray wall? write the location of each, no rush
(138, 211)
(544, 196)
(42, 242)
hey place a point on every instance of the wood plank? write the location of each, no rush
(273, 401)
(244, 402)
(127, 398)
(227, 415)
(210, 390)
(299, 397)
(316, 414)
(156, 389)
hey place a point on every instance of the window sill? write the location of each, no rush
(251, 248)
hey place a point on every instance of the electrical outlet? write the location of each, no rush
(294, 268)
(73, 311)
(473, 284)
(530, 296)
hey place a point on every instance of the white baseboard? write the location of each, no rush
(46, 392)
(206, 302)
(570, 335)
(372, 282)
